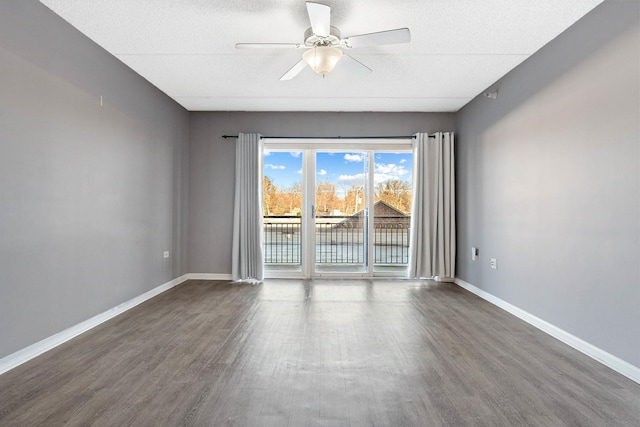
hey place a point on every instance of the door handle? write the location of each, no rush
(313, 211)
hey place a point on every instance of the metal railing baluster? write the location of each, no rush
(338, 241)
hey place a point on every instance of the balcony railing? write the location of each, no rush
(339, 240)
(282, 243)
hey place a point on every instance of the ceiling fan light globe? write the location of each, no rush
(322, 59)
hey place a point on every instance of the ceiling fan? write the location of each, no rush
(323, 42)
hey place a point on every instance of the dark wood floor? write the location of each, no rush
(321, 353)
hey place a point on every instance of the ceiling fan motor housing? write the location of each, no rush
(312, 40)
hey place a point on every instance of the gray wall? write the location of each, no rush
(90, 196)
(549, 183)
(212, 164)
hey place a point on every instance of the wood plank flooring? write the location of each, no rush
(316, 353)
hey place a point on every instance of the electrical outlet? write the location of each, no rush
(494, 263)
(166, 254)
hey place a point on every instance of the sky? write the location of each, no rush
(341, 168)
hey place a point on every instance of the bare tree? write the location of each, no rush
(396, 193)
(326, 197)
(269, 194)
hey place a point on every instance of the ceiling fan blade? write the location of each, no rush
(294, 71)
(400, 35)
(320, 18)
(269, 45)
(354, 66)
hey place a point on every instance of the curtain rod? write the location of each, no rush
(331, 137)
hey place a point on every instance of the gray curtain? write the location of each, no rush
(433, 223)
(247, 257)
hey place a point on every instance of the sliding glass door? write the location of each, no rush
(335, 212)
(341, 210)
(282, 201)
(391, 211)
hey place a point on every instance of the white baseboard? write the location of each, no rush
(21, 356)
(208, 276)
(625, 368)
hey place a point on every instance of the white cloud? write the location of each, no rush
(299, 171)
(352, 179)
(353, 157)
(402, 161)
(322, 172)
(296, 154)
(277, 167)
(385, 172)
(391, 168)
(266, 153)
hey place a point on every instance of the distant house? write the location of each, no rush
(386, 216)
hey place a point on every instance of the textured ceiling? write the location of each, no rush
(186, 48)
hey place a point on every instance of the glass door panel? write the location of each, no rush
(341, 212)
(392, 212)
(282, 212)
